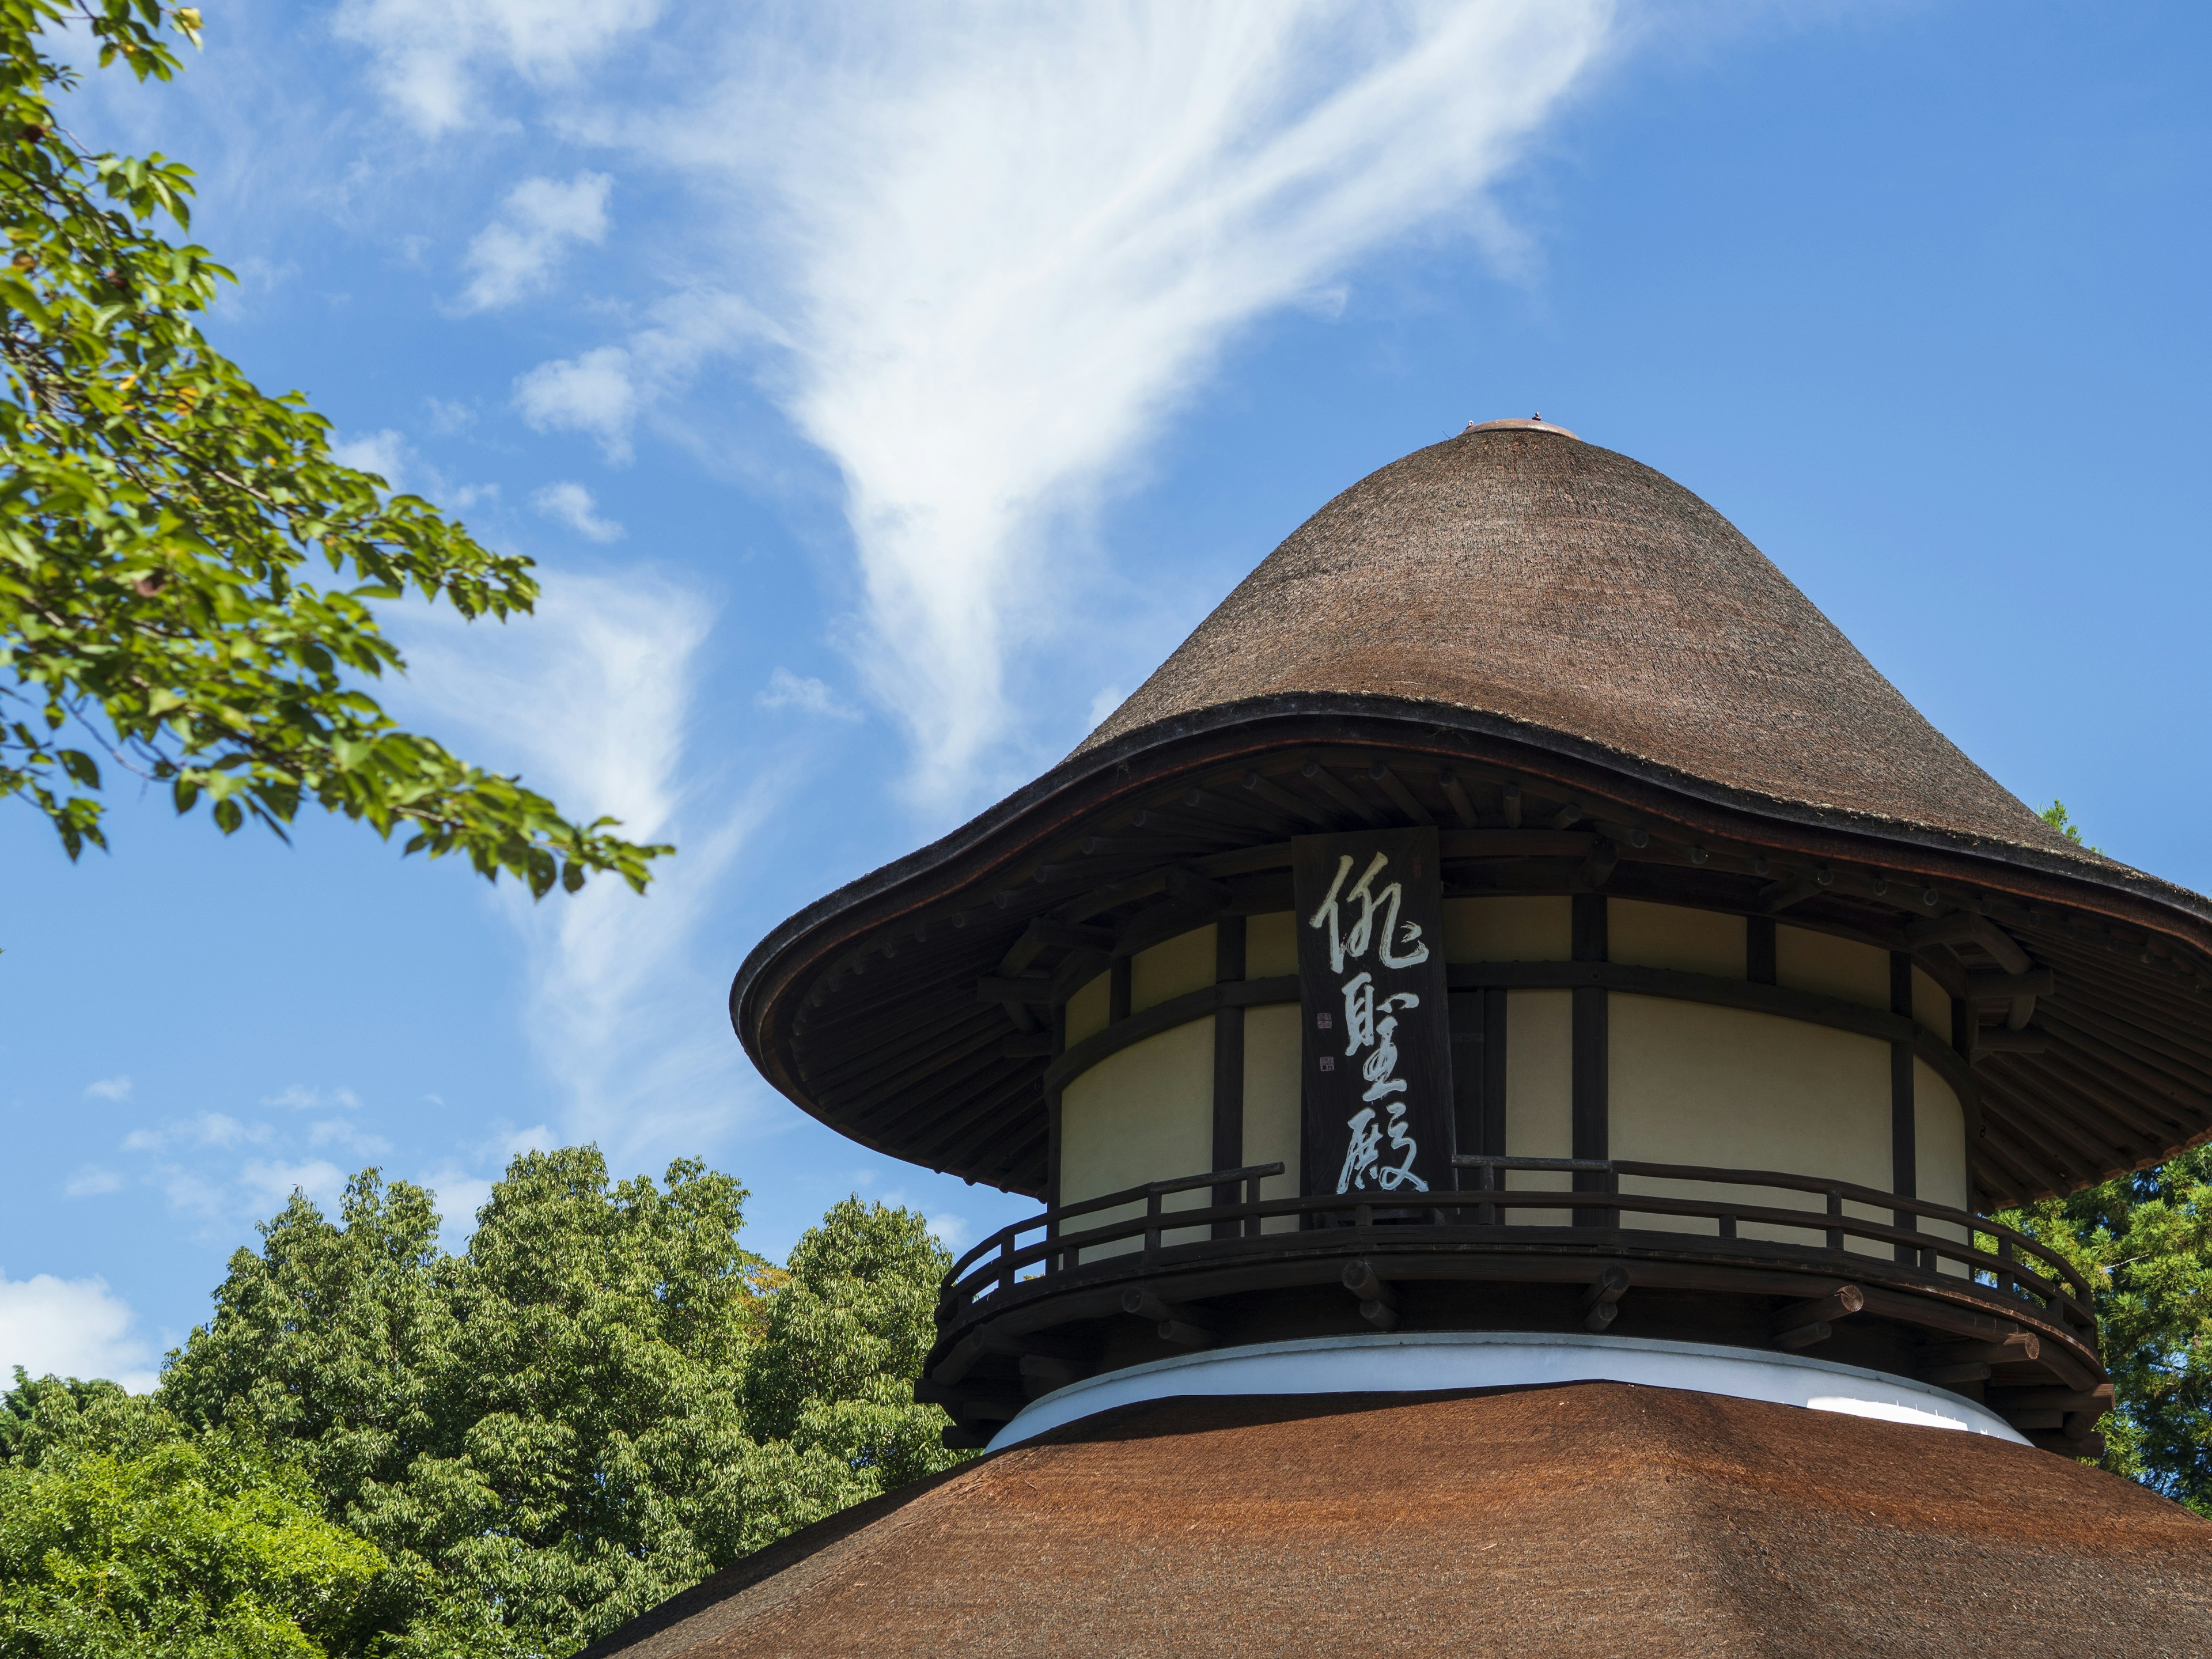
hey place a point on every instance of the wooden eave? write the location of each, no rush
(912, 1010)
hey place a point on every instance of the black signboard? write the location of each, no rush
(1378, 1088)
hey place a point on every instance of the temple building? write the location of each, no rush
(1517, 1032)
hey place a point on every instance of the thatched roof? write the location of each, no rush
(1516, 571)
(1593, 1519)
(1511, 611)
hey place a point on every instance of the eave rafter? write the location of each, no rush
(920, 1018)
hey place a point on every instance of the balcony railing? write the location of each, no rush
(1061, 1250)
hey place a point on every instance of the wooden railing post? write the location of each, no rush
(1251, 1204)
(1835, 1208)
(1152, 1223)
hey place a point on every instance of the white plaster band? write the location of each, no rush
(1426, 1360)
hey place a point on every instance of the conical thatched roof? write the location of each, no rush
(1516, 571)
(1512, 629)
(1592, 1520)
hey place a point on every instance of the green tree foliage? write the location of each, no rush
(161, 519)
(2144, 1242)
(2056, 816)
(845, 1339)
(123, 1535)
(600, 1400)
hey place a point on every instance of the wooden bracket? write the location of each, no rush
(1596, 870)
(1950, 1375)
(1033, 993)
(1378, 1303)
(2011, 1350)
(1184, 1327)
(2098, 1399)
(1043, 1372)
(1803, 1323)
(1601, 1300)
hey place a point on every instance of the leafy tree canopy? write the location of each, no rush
(600, 1400)
(123, 1535)
(2144, 1243)
(162, 519)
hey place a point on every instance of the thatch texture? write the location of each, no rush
(1523, 573)
(1591, 1520)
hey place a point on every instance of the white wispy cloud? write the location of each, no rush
(385, 452)
(92, 1182)
(574, 506)
(785, 689)
(298, 1097)
(268, 1183)
(1003, 244)
(429, 55)
(592, 393)
(213, 1129)
(72, 1327)
(591, 700)
(515, 255)
(337, 1132)
(109, 1088)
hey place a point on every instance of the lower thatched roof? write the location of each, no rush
(1593, 1519)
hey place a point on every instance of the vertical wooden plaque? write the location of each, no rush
(1377, 1021)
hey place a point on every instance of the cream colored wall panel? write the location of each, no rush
(1509, 930)
(1939, 1128)
(1273, 1101)
(1143, 1114)
(1271, 946)
(1674, 936)
(1173, 968)
(1088, 1008)
(1832, 967)
(1695, 1085)
(1539, 1090)
(1931, 1005)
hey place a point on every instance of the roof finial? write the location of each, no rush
(1537, 417)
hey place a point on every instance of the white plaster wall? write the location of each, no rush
(1674, 936)
(1939, 1127)
(1271, 946)
(1692, 1083)
(1143, 1114)
(1172, 968)
(1087, 1009)
(1832, 967)
(1931, 1005)
(1539, 1094)
(1273, 1069)
(1540, 929)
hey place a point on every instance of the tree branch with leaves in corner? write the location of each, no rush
(187, 577)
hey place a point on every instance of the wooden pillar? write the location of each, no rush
(1228, 1065)
(1470, 1078)
(1963, 1028)
(1592, 1106)
(1758, 950)
(1903, 1140)
(1117, 990)
(1052, 1132)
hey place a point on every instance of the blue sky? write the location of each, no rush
(885, 391)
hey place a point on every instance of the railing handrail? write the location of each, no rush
(1850, 1192)
(1107, 1200)
(2065, 1282)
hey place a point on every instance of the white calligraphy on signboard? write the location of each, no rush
(1372, 1028)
